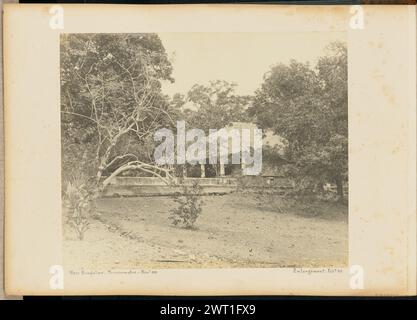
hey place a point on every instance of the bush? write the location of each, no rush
(78, 196)
(189, 206)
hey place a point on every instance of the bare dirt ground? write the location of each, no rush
(234, 230)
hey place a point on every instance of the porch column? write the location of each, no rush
(203, 170)
(221, 169)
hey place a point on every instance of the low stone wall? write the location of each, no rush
(264, 182)
(154, 181)
(147, 191)
(152, 186)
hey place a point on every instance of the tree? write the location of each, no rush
(111, 102)
(215, 106)
(308, 107)
(212, 106)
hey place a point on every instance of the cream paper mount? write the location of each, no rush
(89, 210)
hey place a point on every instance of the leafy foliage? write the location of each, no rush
(111, 99)
(79, 195)
(308, 107)
(216, 105)
(189, 206)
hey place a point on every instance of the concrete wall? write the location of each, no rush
(151, 186)
(153, 181)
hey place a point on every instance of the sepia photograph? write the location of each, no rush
(204, 150)
(150, 151)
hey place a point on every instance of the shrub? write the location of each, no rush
(189, 206)
(78, 196)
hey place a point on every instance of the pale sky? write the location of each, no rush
(243, 58)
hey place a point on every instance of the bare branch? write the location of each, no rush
(146, 167)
